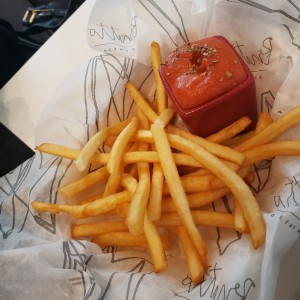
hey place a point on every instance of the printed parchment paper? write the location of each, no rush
(38, 259)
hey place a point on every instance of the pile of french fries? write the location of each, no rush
(158, 179)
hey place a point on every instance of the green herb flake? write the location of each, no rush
(228, 74)
(191, 70)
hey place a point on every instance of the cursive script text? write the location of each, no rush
(263, 55)
(112, 35)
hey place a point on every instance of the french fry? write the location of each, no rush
(85, 156)
(138, 205)
(141, 102)
(120, 144)
(279, 148)
(273, 130)
(240, 223)
(58, 150)
(151, 157)
(92, 229)
(84, 182)
(196, 200)
(229, 132)
(239, 139)
(129, 183)
(176, 189)
(264, 119)
(165, 117)
(89, 199)
(128, 158)
(90, 209)
(156, 193)
(216, 149)
(155, 246)
(234, 182)
(161, 95)
(200, 217)
(137, 208)
(115, 164)
(203, 171)
(201, 183)
(126, 239)
(195, 267)
(113, 183)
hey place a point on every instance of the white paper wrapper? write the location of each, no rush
(38, 260)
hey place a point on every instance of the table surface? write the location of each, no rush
(23, 98)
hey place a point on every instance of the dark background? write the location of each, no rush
(14, 47)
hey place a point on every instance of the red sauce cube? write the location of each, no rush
(210, 85)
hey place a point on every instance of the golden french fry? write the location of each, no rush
(229, 132)
(240, 223)
(92, 229)
(126, 239)
(115, 165)
(141, 102)
(69, 153)
(234, 182)
(120, 144)
(239, 139)
(273, 130)
(216, 149)
(194, 184)
(85, 156)
(84, 182)
(106, 204)
(152, 157)
(90, 209)
(58, 150)
(120, 239)
(113, 183)
(165, 117)
(89, 199)
(155, 246)
(161, 95)
(195, 267)
(156, 184)
(279, 148)
(201, 183)
(176, 189)
(142, 167)
(129, 183)
(137, 208)
(186, 160)
(200, 217)
(156, 192)
(143, 121)
(196, 200)
(138, 205)
(264, 119)
(204, 171)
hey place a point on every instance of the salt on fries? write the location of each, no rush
(158, 179)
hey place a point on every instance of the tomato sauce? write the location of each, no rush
(201, 71)
(210, 85)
